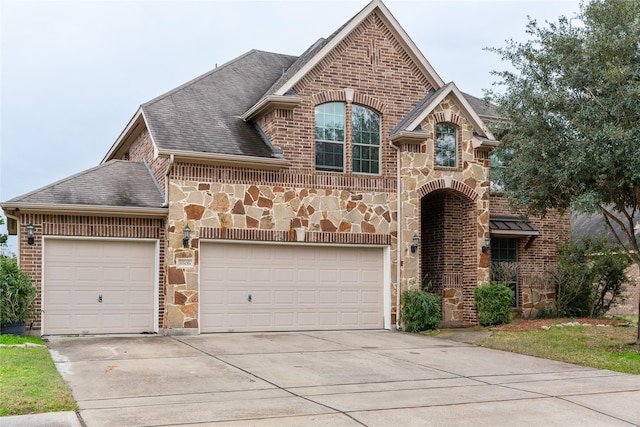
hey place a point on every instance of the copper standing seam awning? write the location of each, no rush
(513, 226)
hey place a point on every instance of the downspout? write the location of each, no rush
(166, 181)
(399, 235)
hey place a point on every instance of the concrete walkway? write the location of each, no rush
(371, 378)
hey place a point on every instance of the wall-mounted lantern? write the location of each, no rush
(416, 241)
(487, 244)
(185, 236)
(30, 238)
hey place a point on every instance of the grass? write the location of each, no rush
(29, 380)
(603, 347)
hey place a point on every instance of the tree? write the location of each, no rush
(571, 134)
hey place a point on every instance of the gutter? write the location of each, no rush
(268, 163)
(48, 208)
(399, 234)
(166, 181)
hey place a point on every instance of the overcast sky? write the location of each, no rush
(74, 72)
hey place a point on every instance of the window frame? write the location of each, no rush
(498, 248)
(354, 144)
(455, 132)
(343, 143)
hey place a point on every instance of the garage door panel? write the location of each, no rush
(76, 272)
(292, 287)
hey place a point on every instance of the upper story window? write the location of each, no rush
(446, 149)
(331, 138)
(329, 135)
(365, 136)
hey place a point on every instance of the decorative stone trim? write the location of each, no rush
(447, 183)
(290, 236)
(299, 178)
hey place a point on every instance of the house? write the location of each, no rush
(285, 193)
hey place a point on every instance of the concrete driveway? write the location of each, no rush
(372, 378)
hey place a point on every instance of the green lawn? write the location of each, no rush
(609, 347)
(29, 380)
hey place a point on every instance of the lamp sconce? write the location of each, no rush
(487, 245)
(186, 235)
(414, 246)
(30, 238)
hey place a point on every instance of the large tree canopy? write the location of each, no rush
(571, 134)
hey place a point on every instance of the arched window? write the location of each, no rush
(365, 137)
(362, 138)
(446, 148)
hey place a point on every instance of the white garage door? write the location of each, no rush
(263, 287)
(98, 286)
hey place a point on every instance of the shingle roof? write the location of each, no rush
(482, 107)
(115, 183)
(203, 115)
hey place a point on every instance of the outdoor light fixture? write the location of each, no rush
(414, 246)
(487, 244)
(30, 238)
(186, 235)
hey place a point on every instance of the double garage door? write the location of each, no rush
(99, 286)
(267, 287)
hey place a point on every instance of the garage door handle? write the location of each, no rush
(100, 298)
(249, 298)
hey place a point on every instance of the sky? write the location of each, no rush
(73, 73)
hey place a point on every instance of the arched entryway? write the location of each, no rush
(449, 258)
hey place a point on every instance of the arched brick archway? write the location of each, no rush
(449, 258)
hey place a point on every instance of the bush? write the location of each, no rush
(420, 310)
(590, 278)
(17, 294)
(493, 302)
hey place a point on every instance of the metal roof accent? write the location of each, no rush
(512, 226)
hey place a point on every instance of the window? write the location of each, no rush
(365, 137)
(329, 136)
(504, 263)
(446, 149)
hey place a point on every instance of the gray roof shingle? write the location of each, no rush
(203, 115)
(115, 183)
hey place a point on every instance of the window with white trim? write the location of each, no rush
(446, 147)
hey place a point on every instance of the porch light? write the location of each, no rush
(186, 235)
(487, 244)
(414, 246)
(30, 239)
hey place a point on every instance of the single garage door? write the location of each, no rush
(98, 286)
(265, 287)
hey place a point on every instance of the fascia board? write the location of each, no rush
(85, 209)
(397, 31)
(271, 101)
(469, 112)
(116, 145)
(514, 233)
(226, 159)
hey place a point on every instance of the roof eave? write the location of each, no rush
(271, 102)
(518, 233)
(406, 137)
(485, 144)
(265, 163)
(49, 208)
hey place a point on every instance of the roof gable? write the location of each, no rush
(412, 122)
(323, 47)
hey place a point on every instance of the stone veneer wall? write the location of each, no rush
(231, 203)
(470, 182)
(30, 257)
(535, 281)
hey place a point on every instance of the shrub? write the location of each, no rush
(590, 278)
(17, 294)
(420, 310)
(493, 302)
